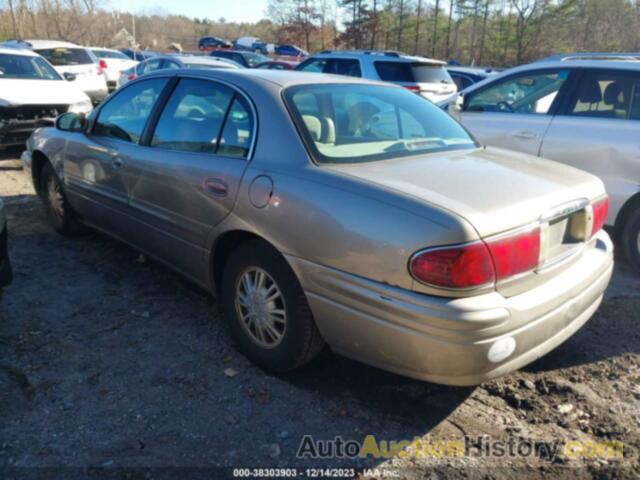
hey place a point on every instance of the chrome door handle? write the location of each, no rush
(215, 186)
(117, 162)
(525, 135)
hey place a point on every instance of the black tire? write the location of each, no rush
(61, 215)
(630, 239)
(301, 340)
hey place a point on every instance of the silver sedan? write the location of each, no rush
(327, 210)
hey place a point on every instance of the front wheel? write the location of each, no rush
(267, 311)
(631, 239)
(61, 215)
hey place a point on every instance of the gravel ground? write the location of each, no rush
(107, 361)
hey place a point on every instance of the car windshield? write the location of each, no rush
(66, 56)
(110, 54)
(254, 59)
(412, 72)
(350, 123)
(26, 67)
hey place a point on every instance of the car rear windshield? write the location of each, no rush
(412, 72)
(26, 67)
(110, 54)
(66, 56)
(351, 123)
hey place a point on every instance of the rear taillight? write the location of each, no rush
(478, 263)
(103, 64)
(131, 76)
(515, 254)
(413, 88)
(600, 211)
(464, 266)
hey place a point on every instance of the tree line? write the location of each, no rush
(498, 33)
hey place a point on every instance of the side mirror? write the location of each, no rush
(71, 122)
(69, 77)
(455, 107)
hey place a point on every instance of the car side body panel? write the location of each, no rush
(615, 160)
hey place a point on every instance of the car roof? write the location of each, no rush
(471, 70)
(386, 55)
(104, 49)
(194, 60)
(592, 56)
(42, 44)
(282, 78)
(558, 64)
(615, 64)
(228, 50)
(14, 50)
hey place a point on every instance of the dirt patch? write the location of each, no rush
(107, 361)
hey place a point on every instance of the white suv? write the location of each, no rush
(578, 109)
(32, 94)
(69, 58)
(421, 75)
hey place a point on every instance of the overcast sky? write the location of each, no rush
(231, 10)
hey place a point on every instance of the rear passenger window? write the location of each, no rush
(192, 118)
(343, 66)
(313, 66)
(607, 94)
(124, 116)
(238, 129)
(394, 71)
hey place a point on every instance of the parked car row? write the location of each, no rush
(163, 62)
(483, 258)
(582, 110)
(33, 93)
(75, 63)
(251, 44)
(424, 76)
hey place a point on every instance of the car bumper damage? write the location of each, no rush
(454, 341)
(18, 123)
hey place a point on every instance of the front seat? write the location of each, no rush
(590, 93)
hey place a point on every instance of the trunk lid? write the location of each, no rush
(495, 190)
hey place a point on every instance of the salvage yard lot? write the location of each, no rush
(107, 359)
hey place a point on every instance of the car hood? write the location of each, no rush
(39, 92)
(495, 190)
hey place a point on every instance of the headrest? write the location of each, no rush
(613, 94)
(322, 130)
(313, 126)
(590, 92)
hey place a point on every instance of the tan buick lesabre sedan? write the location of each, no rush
(326, 210)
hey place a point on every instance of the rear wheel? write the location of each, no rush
(61, 215)
(267, 311)
(631, 239)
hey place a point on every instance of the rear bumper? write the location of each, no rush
(454, 341)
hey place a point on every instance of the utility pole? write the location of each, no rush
(133, 23)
